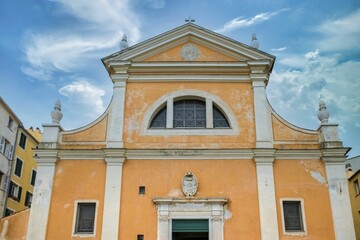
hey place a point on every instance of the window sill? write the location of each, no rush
(190, 131)
(83, 235)
(295, 233)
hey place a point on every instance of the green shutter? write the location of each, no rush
(190, 225)
(19, 194)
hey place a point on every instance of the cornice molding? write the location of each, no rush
(259, 155)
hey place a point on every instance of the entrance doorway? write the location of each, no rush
(190, 229)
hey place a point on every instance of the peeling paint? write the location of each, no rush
(318, 177)
(67, 205)
(59, 171)
(227, 214)
(4, 230)
(175, 193)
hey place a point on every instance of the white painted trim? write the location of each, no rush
(112, 198)
(76, 204)
(194, 208)
(243, 153)
(209, 113)
(266, 193)
(233, 130)
(302, 205)
(169, 113)
(188, 78)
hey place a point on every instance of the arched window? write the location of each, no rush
(190, 113)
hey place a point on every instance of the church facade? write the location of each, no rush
(189, 148)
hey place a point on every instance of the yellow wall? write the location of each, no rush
(305, 179)
(16, 225)
(29, 163)
(140, 96)
(75, 180)
(355, 203)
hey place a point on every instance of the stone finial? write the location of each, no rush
(56, 114)
(254, 42)
(124, 44)
(323, 114)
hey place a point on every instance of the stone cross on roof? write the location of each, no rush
(189, 20)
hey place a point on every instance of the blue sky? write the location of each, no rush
(51, 49)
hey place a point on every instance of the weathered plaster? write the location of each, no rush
(95, 133)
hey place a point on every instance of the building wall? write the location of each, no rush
(75, 180)
(29, 164)
(14, 227)
(5, 160)
(355, 202)
(140, 96)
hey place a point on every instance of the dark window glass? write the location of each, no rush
(28, 199)
(10, 123)
(142, 190)
(140, 237)
(18, 167)
(292, 216)
(85, 218)
(159, 121)
(189, 114)
(33, 177)
(22, 142)
(219, 119)
(8, 212)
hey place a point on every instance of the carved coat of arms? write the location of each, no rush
(189, 184)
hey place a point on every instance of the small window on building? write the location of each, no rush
(85, 218)
(33, 177)
(219, 119)
(28, 199)
(15, 191)
(10, 123)
(357, 187)
(18, 167)
(293, 219)
(22, 142)
(1, 179)
(140, 237)
(6, 148)
(141, 189)
(8, 212)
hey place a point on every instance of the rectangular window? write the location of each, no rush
(33, 178)
(85, 218)
(1, 179)
(10, 123)
(357, 187)
(28, 199)
(293, 218)
(18, 167)
(6, 148)
(15, 191)
(22, 141)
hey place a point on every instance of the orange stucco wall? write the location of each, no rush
(75, 180)
(305, 179)
(140, 96)
(163, 178)
(205, 54)
(16, 225)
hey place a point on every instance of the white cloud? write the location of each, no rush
(340, 34)
(298, 91)
(156, 4)
(278, 49)
(240, 22)
(86, 94)
(98, 27)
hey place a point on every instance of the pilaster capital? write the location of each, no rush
(46, 157)
(265, 156)
(114, 156)
(334, 156)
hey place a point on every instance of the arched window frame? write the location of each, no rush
(210, 100)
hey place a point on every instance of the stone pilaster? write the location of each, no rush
(259, 78)
(266, 191)
(111, 215)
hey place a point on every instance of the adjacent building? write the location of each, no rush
(190, 148)
(354, 190)
(9, 125)
(24, 167)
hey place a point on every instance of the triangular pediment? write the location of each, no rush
(199, 43)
